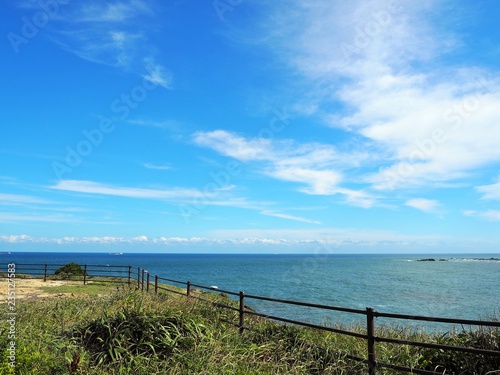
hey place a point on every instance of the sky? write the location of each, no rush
(319, 126)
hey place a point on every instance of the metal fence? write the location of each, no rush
(141, 278)
(105, 273)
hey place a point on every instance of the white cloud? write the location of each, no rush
(157, 74)
(117, 48)
(320, 182)
(422, 204)
(317, 242)
(322, 237)
(327, 236)
(90, 187)
(235, 146)
(490, 215)
(65, 240)
(112, 33)
(10, 199)
(375, 62)
(167, 124)
(316, 166)
(16, 238)
(359, 198)
(288, 217)
(261, 206)
(30, 217)
(160, 167)
(239, 202)
(119, 12)
(490, 191)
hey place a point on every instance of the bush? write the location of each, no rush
(465, 363)
(129, 334)
(70, 269)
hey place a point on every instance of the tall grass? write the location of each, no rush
(129, 332)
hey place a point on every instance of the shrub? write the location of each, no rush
(70, 269)
(129, 334)
(465, 363)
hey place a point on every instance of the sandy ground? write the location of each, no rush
(31, 288)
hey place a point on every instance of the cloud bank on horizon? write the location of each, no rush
(252, 123)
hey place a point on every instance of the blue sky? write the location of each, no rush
(250, 126)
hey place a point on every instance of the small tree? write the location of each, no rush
(70, 269)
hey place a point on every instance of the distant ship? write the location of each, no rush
(116, 253)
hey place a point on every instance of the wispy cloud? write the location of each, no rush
(235, 146)
(490, 191)
(288, 217)
(113, 33)
(422, 204)
(157, 73)
(362, 58)
(23, 238)
(162, 240)
(171, 125)
(90, 187)
(119, 12)
(31, 217)
(160, 167)
(490, 215)
(333, 237)
(12, 199)
(317, 167)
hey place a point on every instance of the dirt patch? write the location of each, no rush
(32, 288)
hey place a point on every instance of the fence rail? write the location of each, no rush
(106, 273)
(128, 275)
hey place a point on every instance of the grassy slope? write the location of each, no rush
(184, 336)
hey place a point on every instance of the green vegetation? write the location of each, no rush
(94, 287)
(70, 269)
(130, 332)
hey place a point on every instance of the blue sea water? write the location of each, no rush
(461, 287)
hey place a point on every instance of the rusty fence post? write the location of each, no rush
(147, 283)
(138, 277)
(156, 284)
(188, 288)
(84, 274)
(45, 274)
(242, 312)
(370, 331)
(142, 286)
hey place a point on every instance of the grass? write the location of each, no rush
(91, 288)
(130, 332)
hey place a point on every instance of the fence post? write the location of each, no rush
(142, 285)
(188, 288)
(129, 274)
(147, 283)
(84, 274)
(242, 312)
(45, 274)
(138, 277)
(370, 332)
(156, 284)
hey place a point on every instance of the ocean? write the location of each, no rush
(463, 286)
